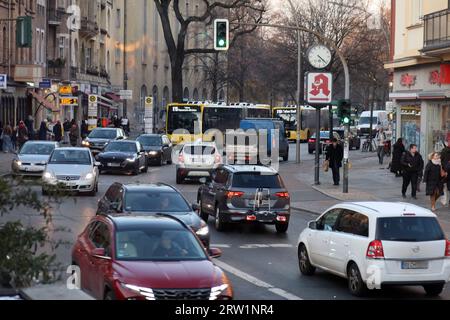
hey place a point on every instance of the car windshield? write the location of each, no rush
(155, 244)
(257, 180)
(323, 135)
(155, 201)
(150, 141)
(199, 150)
(37, 149)
(366, 121)
(103, 134)
(80, 157)
(409, 229)
(128, 147)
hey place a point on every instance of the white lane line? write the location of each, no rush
(265, 246)
(223, 246)
(257, 282)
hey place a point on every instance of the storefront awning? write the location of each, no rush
(41, 99)
(114, 97)
(107, 103)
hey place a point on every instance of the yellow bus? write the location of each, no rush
(185, 117)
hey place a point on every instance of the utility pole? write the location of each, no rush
(299, 83)
(125, 74)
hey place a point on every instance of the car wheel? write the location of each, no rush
(282, 227)
(136, 171)
(356, 285)
(179, 178)
(110, 295)
(304, 264)
(218, 222)
(44, 192)
(433, 290)
(203, 214)
(145, 170)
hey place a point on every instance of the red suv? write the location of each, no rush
(147, 258)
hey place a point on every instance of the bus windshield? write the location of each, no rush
(258, 113)
(289, 117)
(221, 119)
(183, 117)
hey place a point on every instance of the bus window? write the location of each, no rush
(222, 119)
(183, 117)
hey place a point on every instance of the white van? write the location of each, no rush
(380, 119)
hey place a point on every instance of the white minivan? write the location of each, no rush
(377, 244)
(380, 119)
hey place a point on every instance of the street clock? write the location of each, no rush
(319, 56)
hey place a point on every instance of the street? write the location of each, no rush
(261, 264)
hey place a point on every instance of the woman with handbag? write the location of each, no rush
(434, 177)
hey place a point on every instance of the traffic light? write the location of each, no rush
(221, 35)
(345, 112)
(24, 32)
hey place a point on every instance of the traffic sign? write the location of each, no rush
(3, 81)
(65, 90)
(126, 94)
(319, 88)
(45, 84)
(93, 98)
(92, 112)
(68, 101)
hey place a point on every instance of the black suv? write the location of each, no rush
(99, 138)
(158, 148)
(151, 199)
(252, 194)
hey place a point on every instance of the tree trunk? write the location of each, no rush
(177, 82)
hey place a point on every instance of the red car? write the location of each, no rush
(147, 258)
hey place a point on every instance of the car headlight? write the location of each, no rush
(89, 176)
(86, 144)
(18, 162)
(153, 153)
(131, 159)
(48, 175)
(146, 292)
(203, 231)
(217, 291)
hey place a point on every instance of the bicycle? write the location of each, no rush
(369, 146)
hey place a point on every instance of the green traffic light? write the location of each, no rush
(221, 43)
(346, 120)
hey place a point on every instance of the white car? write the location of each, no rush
(376, 244)
(197, 160)
(72, 170)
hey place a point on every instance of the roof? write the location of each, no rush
(72, 149)
(202, 143)
(150, 135)
(41, 142)
(146, 187)
(142, 221)
(107, 129)
(250, 168)
(386, 209)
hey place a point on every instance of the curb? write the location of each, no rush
(307, 211)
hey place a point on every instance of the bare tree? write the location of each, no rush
(176, 43)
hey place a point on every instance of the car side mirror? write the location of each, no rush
(215, 253)
(196, 207)
(312, 225)
(100, 253)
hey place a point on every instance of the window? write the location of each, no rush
(62, 44)
(328, 221)
(156, 201)
(221, 176)
(353, 223)
(88, 57)
(100, 237)
(257, 180)
(118, 18)
(416, 11)
(409, 229)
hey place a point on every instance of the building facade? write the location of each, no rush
(93, 47)
(421, 72)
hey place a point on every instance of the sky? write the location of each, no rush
(279, 4)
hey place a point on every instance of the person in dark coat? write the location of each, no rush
(29, 123)
(335, 155)
(412, 165)
(399, 150)
(22, 134)
(43, 130)
(434, 176)
(58, 131)
(66, 127)
(74, 135)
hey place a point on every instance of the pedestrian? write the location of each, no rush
(334, 156)
(22, 134)
(446, 167)
(434, 178)
(1, 136)
(29, 123)
(74, 135)
(58, 131)
(7, 134)
(84, 129)
(412, 163)
(381, 141)
(399, 150)
(43, 130)
(66, 127)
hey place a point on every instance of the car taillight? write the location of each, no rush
(375, 250)
(447, 248)
(234, 194)
(311, 140)
(284, 195)
(181, 158)
(328, 142)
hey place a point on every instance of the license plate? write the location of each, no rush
(414, 265)
(114, 165)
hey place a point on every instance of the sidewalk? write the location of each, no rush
(368, 182)
(5, 163)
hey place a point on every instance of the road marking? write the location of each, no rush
(257, 282)
(224, 246)
(265, 246)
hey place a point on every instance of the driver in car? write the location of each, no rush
(168, 248)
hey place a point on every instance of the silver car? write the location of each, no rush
(72, 170)
(32, 158)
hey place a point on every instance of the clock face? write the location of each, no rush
(319, 56)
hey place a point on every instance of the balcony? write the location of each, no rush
(88, 28)
(437, 32)
(55, 16)
(56, 68)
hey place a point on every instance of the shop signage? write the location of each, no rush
(3, 81)
(65, 90)
(68, 101)
(408, 80)
(319, 88)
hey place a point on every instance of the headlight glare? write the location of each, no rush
(146, 292)
(217, 291)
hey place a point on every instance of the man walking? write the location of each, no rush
(381, 140)
(413, 165)
(335, 155)
(66, 127)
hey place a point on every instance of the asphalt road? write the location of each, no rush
(262, 265)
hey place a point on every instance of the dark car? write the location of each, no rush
(151, 199)
(354, 140)
(147, 258)
(157, 147)
(252, 194)
(99, 138)
(325, 141)
(123, 157)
